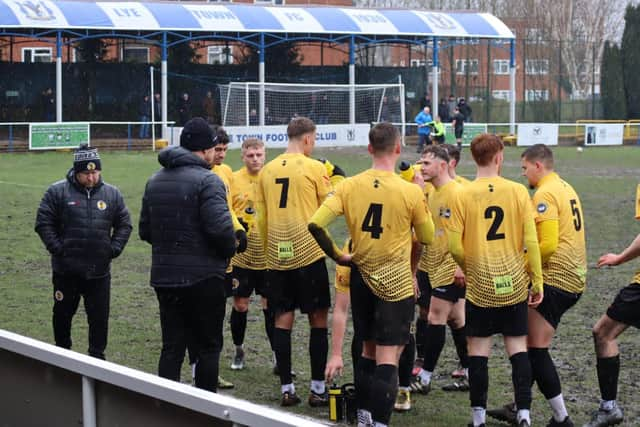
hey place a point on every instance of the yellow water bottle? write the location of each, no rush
(408, 171)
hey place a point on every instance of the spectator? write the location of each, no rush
(458, 126)
(49, 105)
(422, 120)
(208, 107)
(185, 217)
(157, 111)
(443, 110)
(452, 104)
(465, 109)
(84, 224)
(425, 101)
(184, 110)
(144, 110)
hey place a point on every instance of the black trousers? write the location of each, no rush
(67, 290)
(194, 315)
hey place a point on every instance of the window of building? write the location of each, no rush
(219, 54)
(536, 95)
(534, 36)
(501, 94)
(36, 54)
(537, 66)
(464, 66)
(500, 66)
(421, 63)
(137, 54)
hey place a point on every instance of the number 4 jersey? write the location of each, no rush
(379, 209)
(290, 190)
(490, 214)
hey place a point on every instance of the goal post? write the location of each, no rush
(324, 104)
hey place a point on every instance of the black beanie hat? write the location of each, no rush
(86, 158)
(197, 135)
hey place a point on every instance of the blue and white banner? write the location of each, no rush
(276, 136)
(537, 133)
(246, 18)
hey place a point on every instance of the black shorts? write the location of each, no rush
(555, 303)
(458, 133)
(439, 139)
(306, 288)
(385, 322)
(510, 321)
(450, 293)
(626, 306)
(244, 281)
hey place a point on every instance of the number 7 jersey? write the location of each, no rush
(490, 214)
(291, 188)
(379, 209)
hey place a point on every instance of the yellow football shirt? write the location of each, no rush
(436, 259)
(291, 188)
(379, 209)
(555, 199)
(490, 214)
(243, 196)
(461, 180)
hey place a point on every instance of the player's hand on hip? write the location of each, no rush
(344, 259)
(459, 278)
(608, 259)
(535, 298)
(334, 368)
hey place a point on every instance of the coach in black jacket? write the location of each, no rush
(185, 217)
(84, 224)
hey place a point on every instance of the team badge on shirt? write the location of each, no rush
(58, 295)
(102, 205)
(542, 208)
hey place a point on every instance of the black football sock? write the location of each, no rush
(608, 370)
(282, 344)
(421, 329)
(478, 381)
(460, 340)
(383, 393)
(543, 371)
(435, 335)
(238, 326)
(318, 349)
(363, 379)
(521, 377)
(405, 366)
(269, 325)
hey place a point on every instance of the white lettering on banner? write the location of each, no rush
(295, 19)
(214, 17)
(371, 21)
(129, 15)
(441, 22)
(537, 133)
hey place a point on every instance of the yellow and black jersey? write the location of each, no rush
(490, 214)
(243, 196)
(556, 200)
(461, 180)
(436, 259)
(291, 188)
(379, 209)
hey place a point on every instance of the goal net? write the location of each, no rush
(325, 104)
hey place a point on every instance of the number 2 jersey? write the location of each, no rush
(491, 213)
(554, 199)
(291, 188)
(379, 209)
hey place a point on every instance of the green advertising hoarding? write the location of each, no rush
(470, 131)
(48, 136)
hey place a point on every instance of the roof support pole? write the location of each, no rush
(512, 87)
(352, 80)
(435, 79)
(261, 79)
(163, 86)
(59, 76)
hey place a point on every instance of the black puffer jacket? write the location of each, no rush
(83, 229)
(186, 219)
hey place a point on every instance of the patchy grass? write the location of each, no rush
(605, 179)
